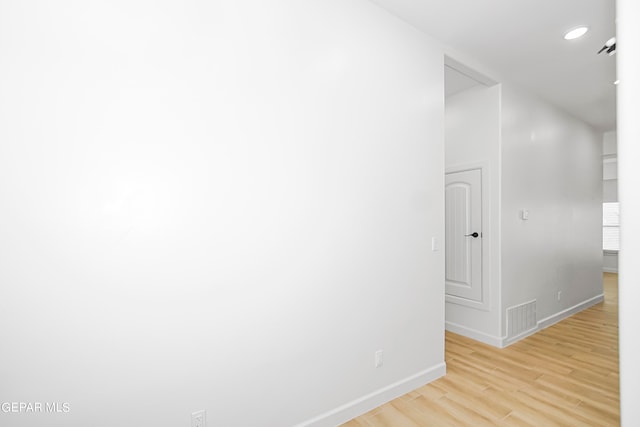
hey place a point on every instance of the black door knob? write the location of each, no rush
(474, 234)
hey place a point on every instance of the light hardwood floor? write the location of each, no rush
(565, 375)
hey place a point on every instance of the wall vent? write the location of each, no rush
(521, 318)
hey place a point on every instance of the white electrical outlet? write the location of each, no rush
(379, 358)
(199, 419)
(559, 295)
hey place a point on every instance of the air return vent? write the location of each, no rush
(521, 318)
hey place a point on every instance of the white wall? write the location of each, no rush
(551, 166)
(610, 143)
(610, 188)
(609, 167)
(224, 206)
(538, 158)
(472, 140)
(628, 66)
(610, 262)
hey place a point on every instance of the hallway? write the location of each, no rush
(565, 375)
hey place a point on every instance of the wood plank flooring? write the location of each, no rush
(565, 375)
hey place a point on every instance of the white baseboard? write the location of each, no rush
(502, 342)
(555, 318)
(507, 341)
(609, 270)
(546, 322)
(379, 397)
(473, 334)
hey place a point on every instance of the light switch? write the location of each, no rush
(524, 214)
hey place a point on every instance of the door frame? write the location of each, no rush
(487, 233)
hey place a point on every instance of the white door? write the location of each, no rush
(463, 234)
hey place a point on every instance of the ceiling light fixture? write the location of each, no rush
(609, 46)
(576, 33)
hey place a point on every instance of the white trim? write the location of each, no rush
(379, 397)
(478, 305)
(473, 334)
(462, 167)
(506, 341)
(553, 319)
(502, 342)
(468, 71)
(611, 256)
(545, 323)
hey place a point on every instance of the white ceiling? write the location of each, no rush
(521, 41)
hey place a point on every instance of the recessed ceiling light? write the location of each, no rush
(575, 33)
